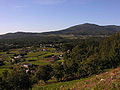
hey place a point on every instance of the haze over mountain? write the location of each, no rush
(82, 29)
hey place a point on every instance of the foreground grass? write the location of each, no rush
(55, 85)
(109, 80)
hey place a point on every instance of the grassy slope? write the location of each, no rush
(109, 80)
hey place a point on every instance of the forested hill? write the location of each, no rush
(88, 29)
(83, 29)
(19, 35)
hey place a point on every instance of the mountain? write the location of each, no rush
(83, 29)
(88, 29)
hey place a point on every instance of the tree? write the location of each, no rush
(2, 84)
(44, 73)
(59, 71)
(16, 80)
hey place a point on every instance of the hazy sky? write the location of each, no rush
(46, 15)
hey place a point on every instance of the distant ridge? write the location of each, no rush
(82, 29)
(89, 29)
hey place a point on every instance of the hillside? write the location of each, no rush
(106, 81)
(109, 80)
(78, 30)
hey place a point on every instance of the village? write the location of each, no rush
(29, 58)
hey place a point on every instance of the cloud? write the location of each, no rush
(51, 2)
(46, 2)
(20, 6)
(80, 1)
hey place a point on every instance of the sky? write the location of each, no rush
(51, 15)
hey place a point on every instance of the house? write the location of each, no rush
(68, 51)
(31, 71)
(44, 50)
(61, 56)
(13, 60)
(27, 65)
(1, 63)
(62, 63)
(18, 57)
(54, 58)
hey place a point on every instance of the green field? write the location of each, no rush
(34, 56)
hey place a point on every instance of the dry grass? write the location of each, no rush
(105, 81)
